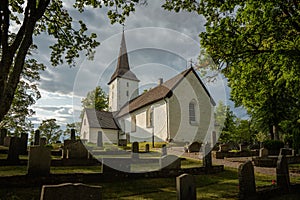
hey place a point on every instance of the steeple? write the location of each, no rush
(123, 69)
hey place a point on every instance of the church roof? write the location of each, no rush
(101, 119)
(158, 93)
(123, 69)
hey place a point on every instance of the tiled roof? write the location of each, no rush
(101, 119)
(158, 93)
(123, 69)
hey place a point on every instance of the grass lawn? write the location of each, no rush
(221, 186)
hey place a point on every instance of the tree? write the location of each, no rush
(258, 50)
(96, 99)
(50, 130)
(26, 95)
(32, 18)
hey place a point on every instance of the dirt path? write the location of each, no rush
(230, 162)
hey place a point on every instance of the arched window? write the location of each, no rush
(149, 118)
(192, 112)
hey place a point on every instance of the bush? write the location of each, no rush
(273, 144)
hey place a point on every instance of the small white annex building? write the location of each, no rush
(179, 110)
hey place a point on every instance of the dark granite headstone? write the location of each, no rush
(147, 148)
(73, 136)
(77, 150)
(207, 159)
(100, 139)
(23, 144)
(37, 137)
(3, 134)
(71, 191)
(39, 161)
(194, 147)
(13, 152)
(135, 150)
(247, 186)
(185, 186)
(43, 141)
(6, 142)
(282, 173)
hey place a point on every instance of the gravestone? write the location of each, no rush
(207, 159)
(37, 137)
(39, 161)
(65, 147)
(147, 148)
(99, 139)
(13, 151)
(23, 144)
(185, 187)
(247, 186)
(77, 150)
(282, 173)
(3, 134)
(243, 147)
(73, 136)
(6, 142)
(43, 141)
(194, 147)
(263, 152)
(285, 151)
(164, 150)
(135, 150)
(71, 191)
(224, 147)
(213, 138)
(169, 162)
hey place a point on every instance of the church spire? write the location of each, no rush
(123, 69)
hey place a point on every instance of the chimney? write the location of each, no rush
(160, 81)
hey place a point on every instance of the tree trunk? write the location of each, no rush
(276, 132)
(271, 132)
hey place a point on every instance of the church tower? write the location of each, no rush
(123, 84)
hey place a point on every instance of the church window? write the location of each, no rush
(127, 93)
(127, 84)
(84, 122)
(133, 123)
(149, 117)
(192, 112)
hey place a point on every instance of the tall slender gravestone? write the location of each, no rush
(73, 135)
(99, 139)
(37, 137)
(213, 138)
(3, 134)
(164, 150)
(13, 152)
(185, 186)
(135, 150)
(282, 173)
(207, 160)
(23, 144)
(247, 186)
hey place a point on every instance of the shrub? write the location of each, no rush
(273, 144)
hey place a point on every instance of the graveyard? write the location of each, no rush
(140, 171)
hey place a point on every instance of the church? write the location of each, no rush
(179, 110)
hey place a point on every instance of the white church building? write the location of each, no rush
(178, 110)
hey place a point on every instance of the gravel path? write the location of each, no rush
(230, 162)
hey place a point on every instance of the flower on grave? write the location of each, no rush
(273, 182)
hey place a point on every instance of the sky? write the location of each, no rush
(160, 44)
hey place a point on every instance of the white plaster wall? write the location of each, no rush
(144, 133)
(84, 128)
(118, 92)
(109, 135)
(180, 128)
